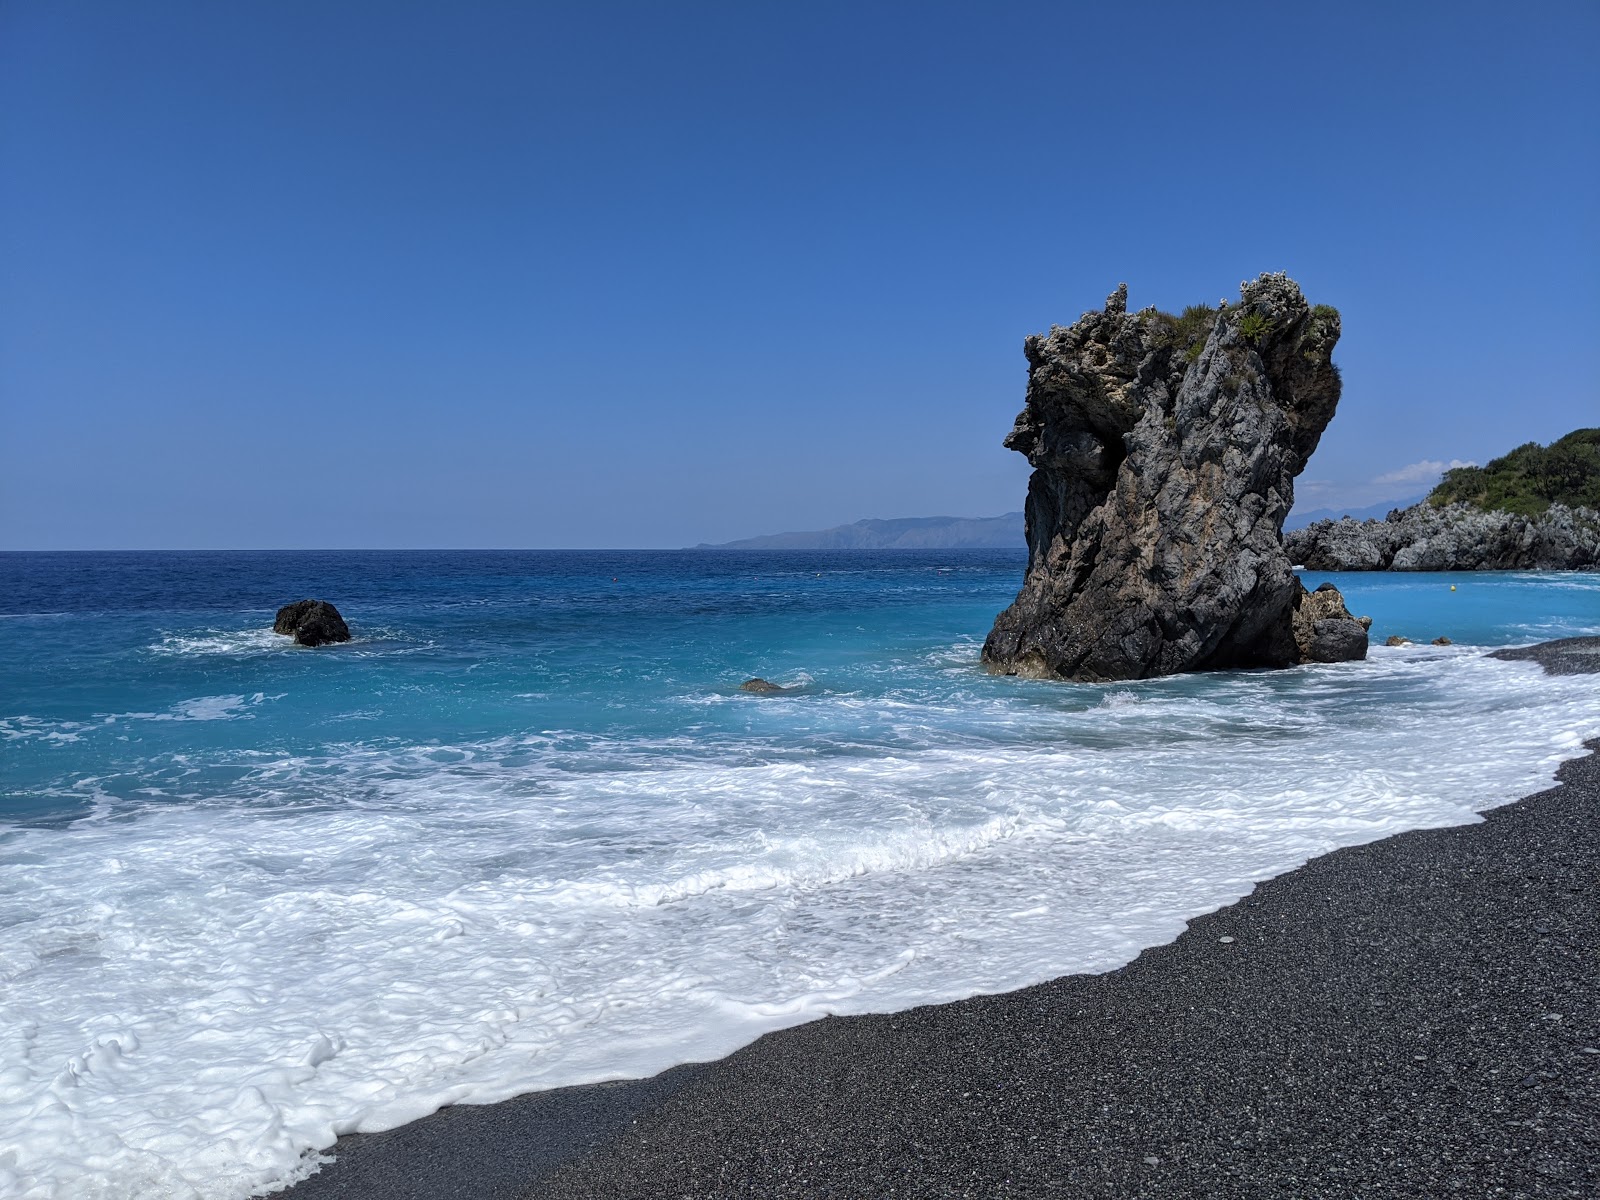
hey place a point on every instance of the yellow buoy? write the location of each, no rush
(1452, 587)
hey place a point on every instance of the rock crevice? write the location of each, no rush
(1164, 452)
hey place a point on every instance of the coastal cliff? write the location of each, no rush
(1457, 537)
(1164, 451)
(1536, 508)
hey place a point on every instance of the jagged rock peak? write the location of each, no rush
(1164, 451)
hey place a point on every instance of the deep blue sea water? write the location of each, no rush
(524, 830)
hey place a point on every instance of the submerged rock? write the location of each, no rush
(1164, 453)
(1455, 537)
(762, 688)
(1565, 656)
(311, 623)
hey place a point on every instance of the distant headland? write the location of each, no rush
(1004, 532)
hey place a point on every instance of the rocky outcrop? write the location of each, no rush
(1325, 631)
(1164, 453)
(1457, 537)
(762, 688)
(311, 623)
(1565, 656)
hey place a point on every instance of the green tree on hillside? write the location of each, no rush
(1531, 478)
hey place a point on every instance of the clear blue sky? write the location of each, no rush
(389, 274)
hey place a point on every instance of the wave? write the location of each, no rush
(291, 946)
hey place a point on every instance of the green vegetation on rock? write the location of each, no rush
(1254, 326)
(1188, 331)
(1529, 479)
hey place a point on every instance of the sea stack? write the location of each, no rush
(311, 623)
(1164, 452)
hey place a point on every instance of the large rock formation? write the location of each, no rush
(311, 623)
(1164, 452)
(1456, 537)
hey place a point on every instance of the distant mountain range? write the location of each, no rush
(967, 533)
(903, 533)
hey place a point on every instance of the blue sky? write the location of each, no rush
(399, 274)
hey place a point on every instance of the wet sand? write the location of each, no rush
(1419, 1016)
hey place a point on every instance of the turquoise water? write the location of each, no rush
(525, 830)
(1473, 607)
(132, 660)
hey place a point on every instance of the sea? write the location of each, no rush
(525, 829)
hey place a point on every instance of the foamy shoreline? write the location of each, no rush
(1399, 1018)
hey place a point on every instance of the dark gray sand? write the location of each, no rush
(1416, 1017)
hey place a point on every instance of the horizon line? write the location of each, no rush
(721, 547)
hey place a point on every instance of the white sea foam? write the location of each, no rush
(201, 993)
(23, 728)
(255, 641)
(198, 708)
(228, 642)
(212, 708)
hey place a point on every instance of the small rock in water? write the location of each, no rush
(1394, 639)
(311, 623)
(761, 687)
(1442, 641)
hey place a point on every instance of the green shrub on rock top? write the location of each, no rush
(1254, 326)
(1189, 330)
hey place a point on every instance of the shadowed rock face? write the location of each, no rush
(1164, 458)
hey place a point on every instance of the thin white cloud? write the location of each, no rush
(1427, 471)
(1401, 484)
